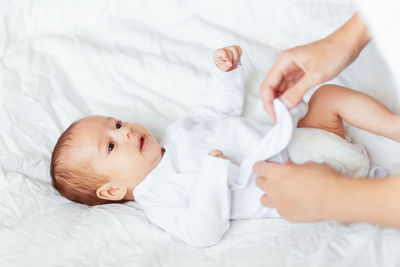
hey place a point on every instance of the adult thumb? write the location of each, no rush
(293, 95)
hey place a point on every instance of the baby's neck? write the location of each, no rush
(129, 195)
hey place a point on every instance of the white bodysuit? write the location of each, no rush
(194, 196)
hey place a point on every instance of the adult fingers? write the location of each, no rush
(261, 182)
(276, 74)
(268, 95)
(266, 201)
(269, 108)
(263, 167)
(272, 84)
(293, 95)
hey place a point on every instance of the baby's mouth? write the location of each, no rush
(142, 141)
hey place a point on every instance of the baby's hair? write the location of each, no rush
(76, 182)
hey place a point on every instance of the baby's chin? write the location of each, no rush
(159, 153)
(151, 147)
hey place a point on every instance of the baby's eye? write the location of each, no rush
(118, 125)
(110, 146)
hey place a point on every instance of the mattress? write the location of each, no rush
(147, 61)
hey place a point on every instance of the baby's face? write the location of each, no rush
(124, 152)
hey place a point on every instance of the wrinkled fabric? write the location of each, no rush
(147, 61)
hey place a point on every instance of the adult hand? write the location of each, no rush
(300, 68)
(298, 192)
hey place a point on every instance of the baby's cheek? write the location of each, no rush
(120, 169)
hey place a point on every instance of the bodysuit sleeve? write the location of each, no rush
(224, 97)
(202, 219)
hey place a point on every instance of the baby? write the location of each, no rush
(186, 184)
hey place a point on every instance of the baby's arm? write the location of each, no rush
(226, 88)
(203, 218)
(331, 104)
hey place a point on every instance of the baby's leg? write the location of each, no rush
(332, 103)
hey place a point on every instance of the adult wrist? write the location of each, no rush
(330, 206)
(353, 35)
(349, 199)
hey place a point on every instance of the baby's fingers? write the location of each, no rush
(220, 52)
(222, 59)
(237, 53)
(217, 153)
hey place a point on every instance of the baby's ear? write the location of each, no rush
(111, 191)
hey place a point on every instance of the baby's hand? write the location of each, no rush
(227, 58)
(217, 153)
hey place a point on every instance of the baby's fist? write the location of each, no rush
(227, 58)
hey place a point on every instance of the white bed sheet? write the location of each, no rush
(147, 61)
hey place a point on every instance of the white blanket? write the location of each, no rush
(146, 61)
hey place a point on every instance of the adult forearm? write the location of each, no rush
(315, 192)
(354, 34)
(367, 200)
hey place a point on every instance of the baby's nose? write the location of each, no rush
(126, 132)
(129, 134)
